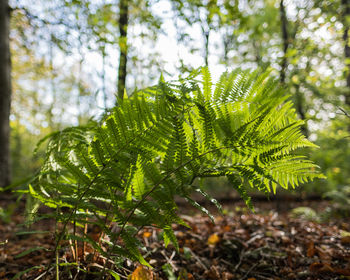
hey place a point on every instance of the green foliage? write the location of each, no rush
(306, 213)
(6, 213)
(339, 208)
(124, 173)
(22, 147)
(341, 202)
(334, 158)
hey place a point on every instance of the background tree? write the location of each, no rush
(123, 45)
(67, 53)
(346, 24)
(5, 94)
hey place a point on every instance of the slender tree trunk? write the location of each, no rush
(5, 94)
(80, 90)
(123, 46)
(285, 40)
(206, 46)
(257, 53)
(51, 122)
(299, 102)
(346, 14)
(103, 74)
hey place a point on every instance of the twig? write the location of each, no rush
(240, 261)
(198, 259)
(345, 112)
(170, 260)
(42, 274)
(250, 270)
(72, 249)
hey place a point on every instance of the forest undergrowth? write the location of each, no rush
(269, 244)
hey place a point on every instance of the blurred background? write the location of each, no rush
(71, 58)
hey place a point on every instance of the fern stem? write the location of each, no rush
(90, 185)
(70, 217)
(57, 268)
(158, 184)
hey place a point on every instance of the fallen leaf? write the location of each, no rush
(227, 276)
(226, 228)
(345, 240)
(213, 239)
(147, 234)
(320, 268)
(142, 273)
(190, 276)
(311, 249)
(214, 272)
(343, 272)
(184, 275)
(324, 255)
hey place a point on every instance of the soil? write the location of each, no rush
(268, 244)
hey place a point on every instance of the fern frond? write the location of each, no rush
(152, 147)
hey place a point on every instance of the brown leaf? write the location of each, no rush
(184, 275)
(226, 228)
(227, 276)
(214, 273)
(190, 276)
(345, 240)
(343, 272)
(320, 268)
(142, 273)
(213, 239)
(324, 255)
(147, 234)
(311, 249)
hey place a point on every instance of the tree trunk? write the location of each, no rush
(103, 76)
(123, 46)
(206, 45)
(346, 14)
(299, 101)
(5, 94)
(285, 40)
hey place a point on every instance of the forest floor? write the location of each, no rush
(268, 244)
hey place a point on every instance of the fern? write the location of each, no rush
(125, 172)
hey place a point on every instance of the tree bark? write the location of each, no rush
(285, 40)
(206, 49)
(123, 46)
(299, 101)
(5, 94)
(346, 18)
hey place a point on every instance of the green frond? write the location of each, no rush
(74, 170)
(169, 236)
(238, 186)
(138, 183)
(154, 145)
(207, 84)
(96, 153)
(131, 244)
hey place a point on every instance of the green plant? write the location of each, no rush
(6, 213)
(340, 199)
(333, 158)
(306, 213)
(123, 174)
